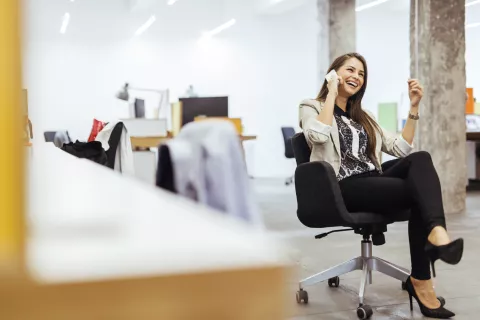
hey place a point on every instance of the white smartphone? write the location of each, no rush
(332, 75)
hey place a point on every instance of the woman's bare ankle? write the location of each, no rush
(439, 236)
(426, 293)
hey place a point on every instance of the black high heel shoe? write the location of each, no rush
(439, 313)
(450, 253)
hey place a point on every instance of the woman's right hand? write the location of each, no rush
(332, 86)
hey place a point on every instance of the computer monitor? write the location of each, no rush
(139, 108)
(208, 107)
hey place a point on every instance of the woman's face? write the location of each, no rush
(352, 73)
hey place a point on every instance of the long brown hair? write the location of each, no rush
(354, 103)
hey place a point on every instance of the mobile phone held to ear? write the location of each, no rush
(332, 75)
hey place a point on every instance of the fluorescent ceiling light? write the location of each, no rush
(145, 26)
(472, 3)
(370, 5)
(472, 25)
(221, 28)
(171, 2)
(65, 22)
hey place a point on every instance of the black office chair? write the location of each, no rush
(320, 205)
(49, 136)
(288, 133)
(62, 137)
(114, 142)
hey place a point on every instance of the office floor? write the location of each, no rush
(459, 285)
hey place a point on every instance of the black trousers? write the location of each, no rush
(408, 183)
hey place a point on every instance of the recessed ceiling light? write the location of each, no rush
(65, 22)
(472, 3)
(145, 26)
(370, 5)
(171, 2)
(472, 25)
(220, 28)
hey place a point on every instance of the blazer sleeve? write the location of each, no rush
(393, 144)
(315, 131)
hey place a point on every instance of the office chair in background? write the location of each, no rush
(288, 133)
(320, 205)
(57, 137)
(49, 136)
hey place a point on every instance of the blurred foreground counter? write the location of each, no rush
(104, 246)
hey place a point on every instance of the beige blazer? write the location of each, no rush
(324, 140)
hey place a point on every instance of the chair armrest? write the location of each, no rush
(319, 199)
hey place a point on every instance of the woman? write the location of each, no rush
(340, 132)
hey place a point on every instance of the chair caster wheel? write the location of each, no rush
(334, 282)
(404, 286)
(364, 312)
(302, 296)
(441, 300)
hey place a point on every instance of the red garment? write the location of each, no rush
(96, 128)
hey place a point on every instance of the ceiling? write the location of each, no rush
(104, 20)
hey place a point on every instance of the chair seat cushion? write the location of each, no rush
(368, 218)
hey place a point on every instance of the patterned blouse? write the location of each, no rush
(353, 146)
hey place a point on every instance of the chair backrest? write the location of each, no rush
(49, 136)
(61, 137)
(300, 148)
(288, 133)
(113, 142)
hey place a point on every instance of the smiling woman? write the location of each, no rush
(352, 72)
(342, 134)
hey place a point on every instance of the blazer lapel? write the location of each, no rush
(335, 137)
(334, 132)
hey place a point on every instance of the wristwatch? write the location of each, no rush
(414, 117)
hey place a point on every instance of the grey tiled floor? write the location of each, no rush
(459, 285)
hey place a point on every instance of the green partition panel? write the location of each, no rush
(387, 116)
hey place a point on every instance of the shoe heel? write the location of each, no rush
(438, 313)
(433, 269)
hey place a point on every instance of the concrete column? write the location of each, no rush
(441, 69)
(323, 45)
(337, 31)
(343, 31)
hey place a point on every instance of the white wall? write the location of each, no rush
(265, 64)
(383, 39)
(473, 60)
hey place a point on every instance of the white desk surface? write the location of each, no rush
(87, 222)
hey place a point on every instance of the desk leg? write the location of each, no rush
(244, 153)
(473, 166)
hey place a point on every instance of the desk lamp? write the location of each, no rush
(124, 95)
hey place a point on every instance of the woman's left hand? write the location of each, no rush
(415, 92)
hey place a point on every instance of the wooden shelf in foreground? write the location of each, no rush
(104, 246)
(153, 142)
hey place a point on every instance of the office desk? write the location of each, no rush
(147, 142)
(145, 161)
(473, 136)
(473, 184)
(248, 138)
(103, 246)
(153, 142)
